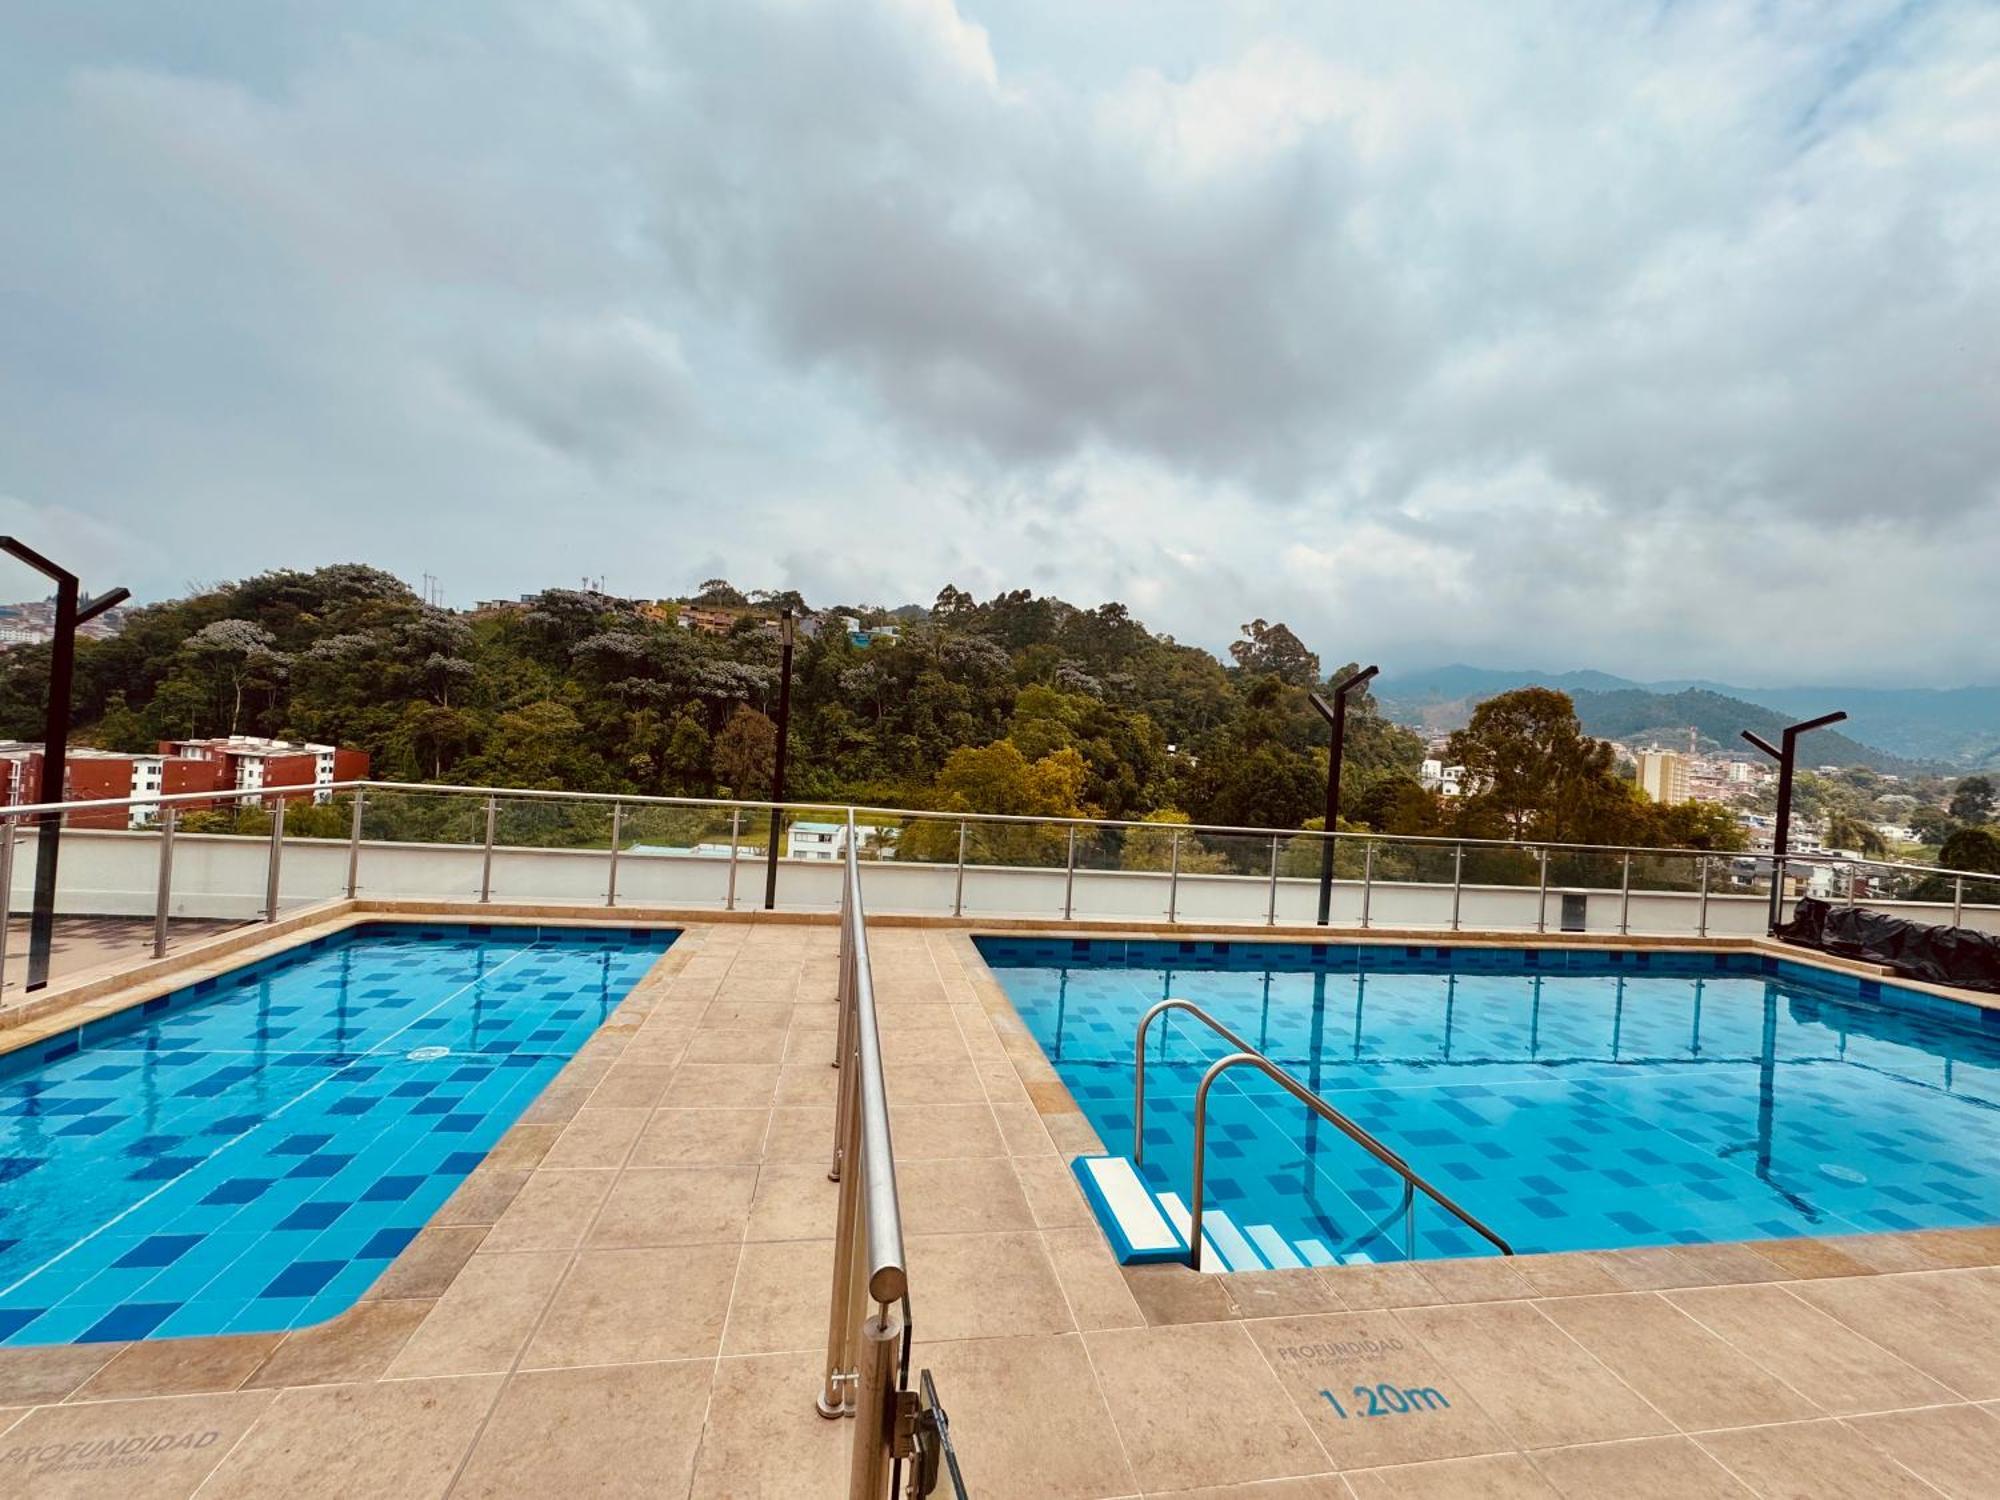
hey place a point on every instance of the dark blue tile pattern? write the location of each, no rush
(1573, 1099)
(248, 1154)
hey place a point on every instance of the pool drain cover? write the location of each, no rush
(427, 1054)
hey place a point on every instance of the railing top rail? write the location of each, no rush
(853, 812)
(888, 1278)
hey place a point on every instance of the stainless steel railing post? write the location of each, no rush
(1069, 876)
(1457, 881)
(271, 865)
(486, 856)
(958, 889)
(1625, 897)
(735, 837)
(13, 826)
(1958, 900)
(617, 832)
(1174, 881)
(843, 1312)
(1367, 883)
(1542, 900)
(1701, 911)
(1271, 907)
(354, 846)
(868, 1476)
(164, 895)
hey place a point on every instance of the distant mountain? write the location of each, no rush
(1901, 730)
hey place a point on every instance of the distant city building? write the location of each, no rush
(181, 767)
(863, 636)
(1663, 776)
(808, 840)
(1446, 781)
(254, 763)
(33, 621)
(708, 618)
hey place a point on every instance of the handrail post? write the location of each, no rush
(271, 866)
(958, 888)
(1625, 897)
(868, 1473)
(1069, 876)
(7, 841)
(1174, 882)
(1271, 908)
(1457, 881)
(1542, 901)
(1958, 901)
(735, 837)
(354, 845)
(1367, 882)
(617, 830)
(843, 1314)
(486, 858)
(163, 897)
(1701, 922)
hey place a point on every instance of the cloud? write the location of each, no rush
(1651, 338)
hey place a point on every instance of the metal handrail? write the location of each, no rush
(1413, 1181)
(861, 1377)
(860, 810)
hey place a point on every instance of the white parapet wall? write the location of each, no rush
(116, 873)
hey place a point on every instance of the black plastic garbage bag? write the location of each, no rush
(1938, 955)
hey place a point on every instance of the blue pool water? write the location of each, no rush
(1571, 1100)
(248, 1154)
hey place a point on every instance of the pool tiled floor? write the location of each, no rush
(569, 1324)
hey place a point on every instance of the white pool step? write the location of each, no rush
(1144, 1226)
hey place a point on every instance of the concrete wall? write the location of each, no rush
(116, 873)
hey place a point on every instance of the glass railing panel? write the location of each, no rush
(681, 856)
(419, 844)
(909, 863)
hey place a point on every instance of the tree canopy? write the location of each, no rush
(1020, 703)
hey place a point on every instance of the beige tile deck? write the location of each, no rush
(629, 1298)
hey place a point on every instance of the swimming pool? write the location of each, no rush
(248, 1154)
(1572, 1100)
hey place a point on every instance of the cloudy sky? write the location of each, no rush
(1658, 338)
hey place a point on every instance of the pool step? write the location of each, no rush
(1146, 1227)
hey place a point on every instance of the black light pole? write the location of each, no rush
(1781, 838)
(70, 613)
(785, 632)
(1335, 714)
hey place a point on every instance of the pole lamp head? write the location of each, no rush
(1359, 679)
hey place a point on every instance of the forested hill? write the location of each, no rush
(1016, 704)
(1631, 713)
(1891, 729)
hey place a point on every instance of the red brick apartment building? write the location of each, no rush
(231, 763)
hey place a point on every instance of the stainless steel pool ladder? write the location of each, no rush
(1247, 1055)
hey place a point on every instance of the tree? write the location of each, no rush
(1528, 760)
(232, 655)
(536, 746)
(746, 751)
(1972, 800)
(998, 778)
(1932, 825)
(1856, 835)
(1273, 650)
(1968, 849)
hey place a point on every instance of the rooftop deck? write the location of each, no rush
(629, 1297)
